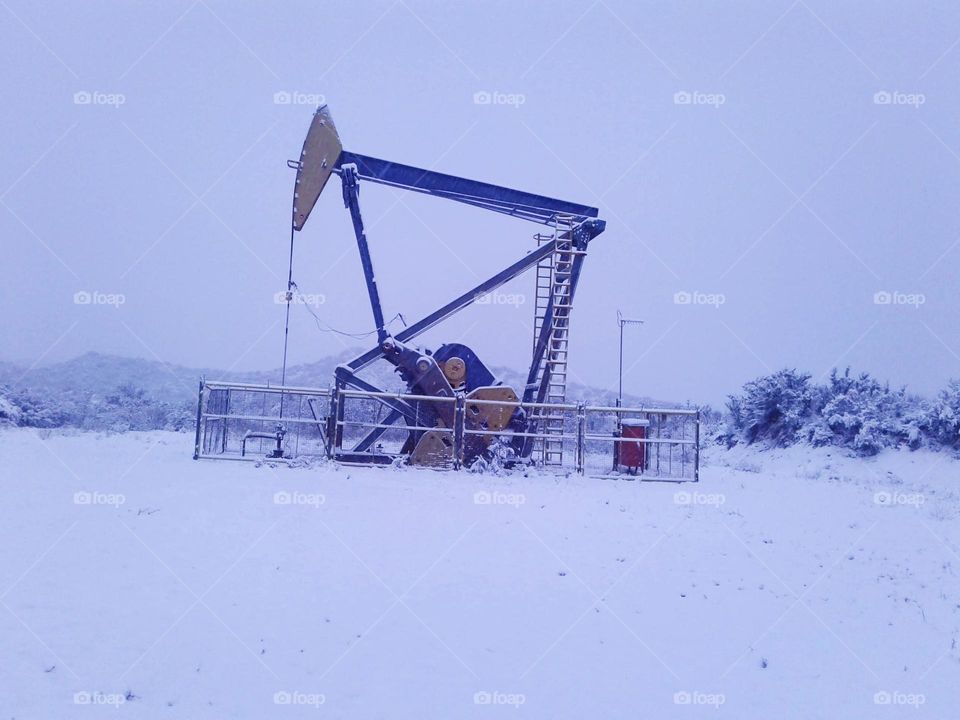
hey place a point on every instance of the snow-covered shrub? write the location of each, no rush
(852, 411)
(9, 412)
(864, 414)
(819, 433)
(45, 410)
(180, 419)
(130, 408)
(943, 417)
(774, 408)
(127, 408)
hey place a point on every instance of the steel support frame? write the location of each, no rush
(536, 208)
(347, 373)
(351, 200)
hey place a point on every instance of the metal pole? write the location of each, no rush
(458, 427)
(618, 432)
(581, 431)
(620, 385)
(288, 297)
(196, 444)
(621, 321)
(696, 449)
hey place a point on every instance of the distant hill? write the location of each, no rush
(101, 374)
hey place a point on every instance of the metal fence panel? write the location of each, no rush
(246, 421)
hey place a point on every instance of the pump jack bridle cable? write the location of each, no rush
(286, 325)
(324, 327)
(291, 287)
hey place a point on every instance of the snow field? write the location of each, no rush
(800, 583)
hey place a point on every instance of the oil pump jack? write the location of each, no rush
(453, 371)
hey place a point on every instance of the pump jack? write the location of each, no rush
(453, 371)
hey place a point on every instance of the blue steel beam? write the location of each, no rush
(528, 206)
(588, 230)
(421, 326)
(351, 200)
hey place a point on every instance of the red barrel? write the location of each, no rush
(633, 454)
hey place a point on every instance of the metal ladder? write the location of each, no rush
(553, 281)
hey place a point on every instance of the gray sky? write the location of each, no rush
(780, 192)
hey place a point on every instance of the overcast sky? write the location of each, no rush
(739, 152)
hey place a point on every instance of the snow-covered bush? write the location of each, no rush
(852, 411)
(44, 410)
(774, 408)
(943, 417)
(130, 408)
(127, 408)
(9, 413)
(866, 415)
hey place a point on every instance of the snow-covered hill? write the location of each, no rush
(102, 374)
(787, 584)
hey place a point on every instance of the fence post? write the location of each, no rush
(581, 431)
(696, 449)
(196, 443)
(459, 417)
(224, 436)
(334, 429)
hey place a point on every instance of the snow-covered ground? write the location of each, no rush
(793, 584)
